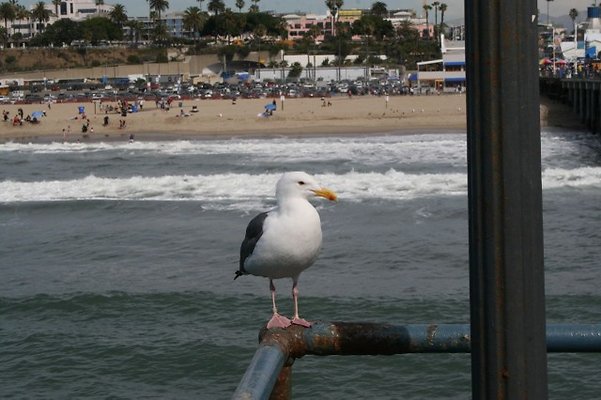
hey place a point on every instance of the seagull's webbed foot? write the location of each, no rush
(278, 321)
(301, 322)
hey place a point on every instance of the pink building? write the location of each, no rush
(298, 25)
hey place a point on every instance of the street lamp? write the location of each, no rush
(553, 45)
(548, 11)
(339, 47)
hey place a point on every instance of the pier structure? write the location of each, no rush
(583, 95)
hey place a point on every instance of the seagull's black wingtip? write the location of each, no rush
(238, 274)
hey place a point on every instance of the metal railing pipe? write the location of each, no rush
(262, 373)
(279, 348)
(574, 338)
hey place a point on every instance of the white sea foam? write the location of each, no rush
(246, 191)
(237, 190)
(370, 150)
(554, 178)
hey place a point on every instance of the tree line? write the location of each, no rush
(219, 29)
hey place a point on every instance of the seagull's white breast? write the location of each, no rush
(290, 242)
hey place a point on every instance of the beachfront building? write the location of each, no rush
(396, 17)
(298, 25)
(400, 17)
(442, 75)
(76, 10)
(174, 23)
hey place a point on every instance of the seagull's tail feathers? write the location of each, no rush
(239, 274)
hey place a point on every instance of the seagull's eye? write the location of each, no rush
(301, 183)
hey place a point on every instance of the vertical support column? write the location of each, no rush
(589, 105)
(598, 110)
(283, 386)
(582, 101)
(509, 359)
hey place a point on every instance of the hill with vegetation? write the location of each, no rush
(36, 59)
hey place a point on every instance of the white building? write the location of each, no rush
(76, 10)
(445, 74)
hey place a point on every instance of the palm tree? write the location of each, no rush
(56, 4)
(98, 3)
(194, 20)
(160, 33)
(8, 12)
(21, 14)
(159, 6)
(3, 36)
(40, 14)
(364, 26)
(231, 25)
(334, 6)
(240, 5)
(427, 9)
(443, 8)
(435, 5)
(118, 15)
(379, 9)
(258, 33)
(216, 6)
(255, 5)
(573, 14)
(200, 3)
(309, 38)
(135, 28)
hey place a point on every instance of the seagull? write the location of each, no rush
(284, 241)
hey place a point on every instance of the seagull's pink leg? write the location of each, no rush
(297, 320)
(277, 320)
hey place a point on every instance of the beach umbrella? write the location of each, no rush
(545, 61)
(560, 62)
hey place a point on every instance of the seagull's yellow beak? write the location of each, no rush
(325, 193)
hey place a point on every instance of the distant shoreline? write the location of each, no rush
(301, 117)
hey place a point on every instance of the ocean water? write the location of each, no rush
(117, 263)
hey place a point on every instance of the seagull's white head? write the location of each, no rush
(301, 185)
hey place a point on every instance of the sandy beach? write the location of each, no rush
(222, 118)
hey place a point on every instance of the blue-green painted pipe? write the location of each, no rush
(262, 373)
(574, 338)
(343, 338)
